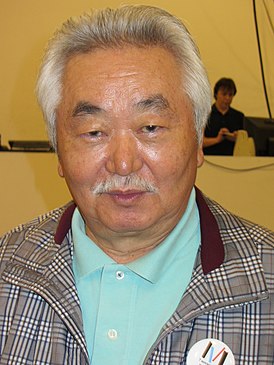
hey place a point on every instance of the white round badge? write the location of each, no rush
(210, 352)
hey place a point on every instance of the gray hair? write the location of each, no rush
(136, 25)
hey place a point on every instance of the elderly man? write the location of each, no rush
(141, 268)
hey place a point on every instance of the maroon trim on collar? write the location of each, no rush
(64, 224)
(212, 248)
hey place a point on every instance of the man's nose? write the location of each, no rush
(124, 155)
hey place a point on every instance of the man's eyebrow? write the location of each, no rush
(85, 108)
(153, 103)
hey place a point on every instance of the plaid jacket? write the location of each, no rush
(230, 296)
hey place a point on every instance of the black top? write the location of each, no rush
(232, 120)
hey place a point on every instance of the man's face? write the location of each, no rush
(123, 114)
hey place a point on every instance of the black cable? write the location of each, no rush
(261, 59)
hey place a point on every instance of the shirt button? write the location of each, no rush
(112, 334)
(120, 275)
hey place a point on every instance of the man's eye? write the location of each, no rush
(150, 128)
(95, 134)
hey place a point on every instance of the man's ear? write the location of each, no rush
(200, 156)
(60, 169)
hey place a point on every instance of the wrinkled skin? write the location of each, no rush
(123, 112)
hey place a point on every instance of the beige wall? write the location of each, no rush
(31, 186)
(243, 185)
(224, 31)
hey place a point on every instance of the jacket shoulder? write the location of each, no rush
(233, 225)
(39, 231)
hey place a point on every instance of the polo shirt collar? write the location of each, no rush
(172, 247)
(211, 241)
(84, 249)
(183, 240)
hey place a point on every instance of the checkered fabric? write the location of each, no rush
(40, 316)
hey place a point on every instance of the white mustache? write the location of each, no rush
(131, 182)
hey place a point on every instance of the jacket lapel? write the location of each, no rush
(222, 276)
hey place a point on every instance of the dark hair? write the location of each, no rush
(225, 83)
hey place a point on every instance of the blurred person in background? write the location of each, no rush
(224, 121)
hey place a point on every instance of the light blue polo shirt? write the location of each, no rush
(125, 306)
